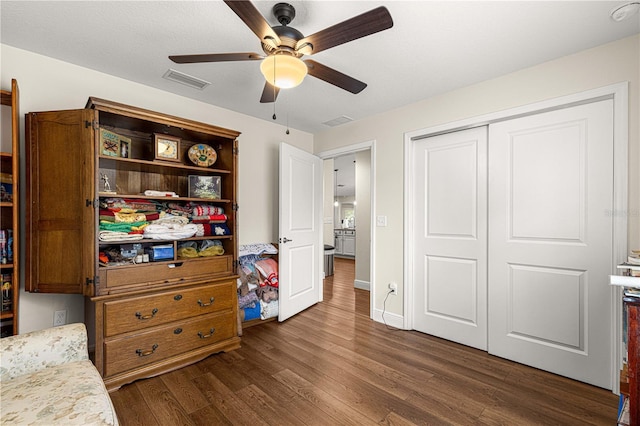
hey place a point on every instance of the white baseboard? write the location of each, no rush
(391, 319)
(362, 285)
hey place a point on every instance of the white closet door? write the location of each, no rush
(450, 224)
(550, 241)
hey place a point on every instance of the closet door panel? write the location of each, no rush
(450, 225)
(550, 241)
(550, 206)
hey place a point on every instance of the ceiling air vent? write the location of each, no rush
(338, 121)
(185, 79)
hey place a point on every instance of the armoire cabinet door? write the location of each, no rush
(60, 240)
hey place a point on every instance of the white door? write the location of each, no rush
(450, 228)
(300, 231)
(550, 241)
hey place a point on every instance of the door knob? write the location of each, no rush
(285, 240)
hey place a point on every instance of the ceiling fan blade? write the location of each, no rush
(215, 57)
(357, 27)
(255, 21)
(334, 77)
(269, 93)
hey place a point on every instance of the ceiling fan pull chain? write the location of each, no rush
(288, 108)
(287, 132)
(274, 88)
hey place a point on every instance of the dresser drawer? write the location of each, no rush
(122, 354)
(154, 273)
(139, 312)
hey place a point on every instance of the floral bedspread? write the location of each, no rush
(46, 378)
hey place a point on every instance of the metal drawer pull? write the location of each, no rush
(146, 317)
(177, 297)
(204, 336)
(206, 304)
(140, 352)
(177, 331)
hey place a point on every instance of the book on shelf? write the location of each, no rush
(623, 413)
(7, 293)
(632, 264)
(632, 292)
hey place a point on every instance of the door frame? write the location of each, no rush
(619, 93)
(351, 149)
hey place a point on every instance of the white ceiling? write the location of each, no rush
(345, 177)
(433, 47)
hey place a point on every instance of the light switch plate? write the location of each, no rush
(381, 221)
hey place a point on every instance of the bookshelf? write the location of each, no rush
(9, 216)
(630, 374)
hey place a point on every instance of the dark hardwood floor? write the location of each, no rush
(332, 365)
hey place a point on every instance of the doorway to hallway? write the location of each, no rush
(361, 203)
(340, 292)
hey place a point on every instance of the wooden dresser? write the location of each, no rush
(147, 315)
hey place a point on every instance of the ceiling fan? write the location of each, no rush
(284, 47)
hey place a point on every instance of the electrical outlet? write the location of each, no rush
(59, 318)
(393, 287)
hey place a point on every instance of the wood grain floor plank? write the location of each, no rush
(409, 362)
(162, 404)
(376, 400)
(554, 408)
(227, 402)
(268, 408)
(208, 416)
(227, 373)
(180, 384)
(131, 407)
(305, 366)
(351, 385)
(332, 406)
(394, 419)
(355, 387)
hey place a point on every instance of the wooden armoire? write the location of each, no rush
(145, 316)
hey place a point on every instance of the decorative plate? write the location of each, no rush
(202, 155)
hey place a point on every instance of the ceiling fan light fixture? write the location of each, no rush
(283, 71)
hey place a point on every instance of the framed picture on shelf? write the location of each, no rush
(124, 149)
(205, 187)
(109, 143)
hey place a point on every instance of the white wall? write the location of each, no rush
(327, 203)
(49, 84)
(601, 66)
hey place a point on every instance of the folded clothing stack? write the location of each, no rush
(258, 283)
(204, 248)
(160, 220)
